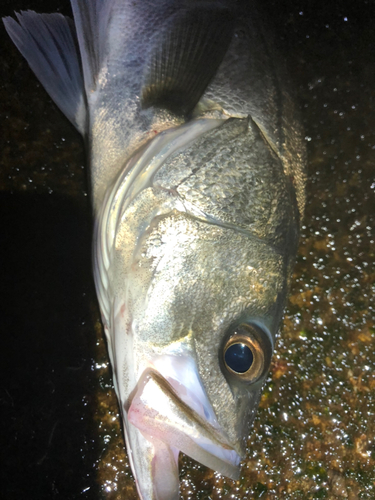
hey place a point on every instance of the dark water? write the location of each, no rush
(314, 436)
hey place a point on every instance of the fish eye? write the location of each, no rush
(244, 353)
(239, 357)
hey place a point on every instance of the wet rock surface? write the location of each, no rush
(314, 435)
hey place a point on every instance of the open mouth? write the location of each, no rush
(178, 414)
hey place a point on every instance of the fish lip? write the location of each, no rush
(162, 382)
(207, 443)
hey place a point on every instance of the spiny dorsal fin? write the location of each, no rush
(184, 58)
(48, 42)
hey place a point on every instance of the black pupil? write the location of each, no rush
(239, 358)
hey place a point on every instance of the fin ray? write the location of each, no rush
(48, 42)
(91, 18)
(187, 54)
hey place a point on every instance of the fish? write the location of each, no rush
(197, 175)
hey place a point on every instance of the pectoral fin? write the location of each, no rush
(186, 55)
(91, 19)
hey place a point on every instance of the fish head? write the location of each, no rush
(197, 298)
(211, 316)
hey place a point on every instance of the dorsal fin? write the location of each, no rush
(185, 56)
(48, 42)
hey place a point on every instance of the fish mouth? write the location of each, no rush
(178, 413)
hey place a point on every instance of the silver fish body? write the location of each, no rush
(198, 190)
